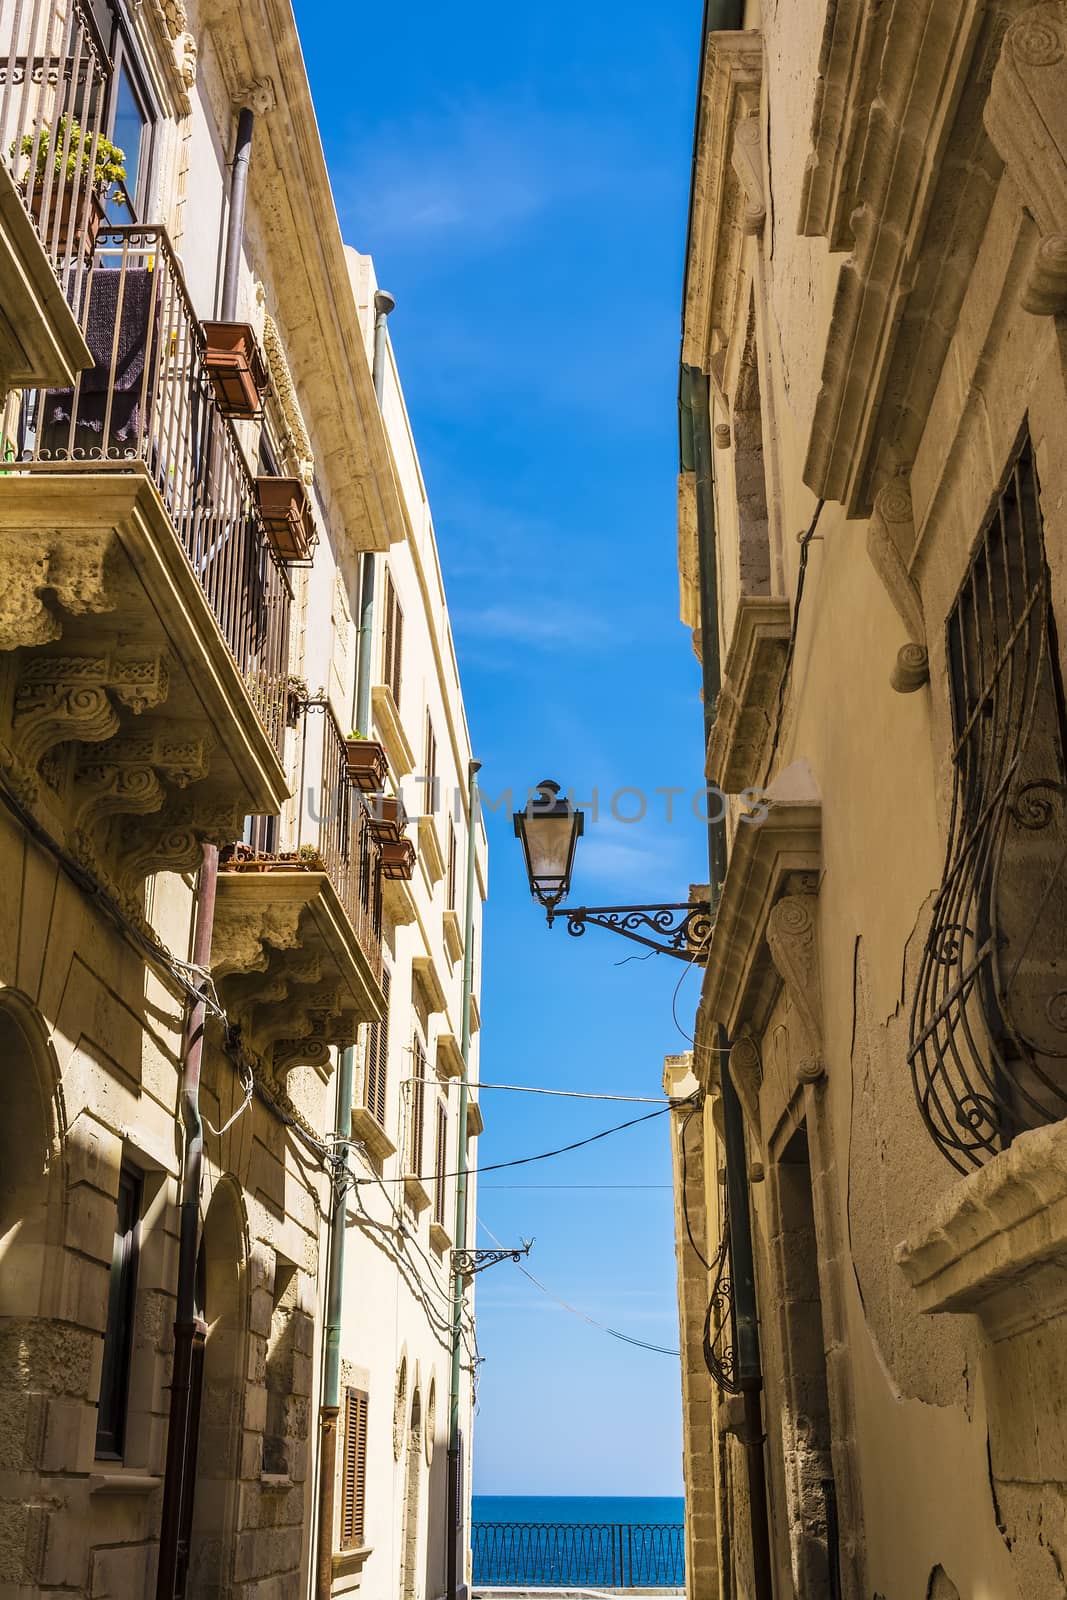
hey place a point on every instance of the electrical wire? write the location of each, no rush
(626, 1338)
(566, 1094)
(546, 1155)
(685, 1191)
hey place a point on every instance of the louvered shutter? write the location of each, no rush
(418, 1109)
(354, 1472)
(378, 1058)
(440, 1164)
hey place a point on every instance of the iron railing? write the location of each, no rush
(553, 1555)
(148, 398)
(988, 1048)
(346, 843)
(54, 81)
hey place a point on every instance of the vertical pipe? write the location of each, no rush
(742, 1266)
(330, 1404)
(235, 236)
(383, 305)
(179, 1480)
(453, 1513)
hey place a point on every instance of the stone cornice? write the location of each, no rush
(292, 213)
(996, 1243)
(721, 207)
(904, 174)
(780, 856)
(751, 678)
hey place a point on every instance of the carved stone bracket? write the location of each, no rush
(243, 934)
(890, 540)
(258, 94)
(746, 1070)
(69, 565)
(1026, 118)
(281, 377)
(792, 941)
(748, 164)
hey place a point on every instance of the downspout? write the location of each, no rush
(190, 1331)
(383, 305)
(330, 1404)
(454, 1510)
(742, 1267)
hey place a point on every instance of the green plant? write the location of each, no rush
(355, 734)
(107, 159)
(308, 854)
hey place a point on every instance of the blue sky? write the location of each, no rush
(520, 175)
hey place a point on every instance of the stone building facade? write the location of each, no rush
(873, 559)
(215, 895)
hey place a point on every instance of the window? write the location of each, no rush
(988, 1047)
(354, 1472)
(376, 1077)
(440, 1164)
(430, 766)
(418, 1108)
(129, 118)
(450, 873)
(393, 652)
(118, 1336)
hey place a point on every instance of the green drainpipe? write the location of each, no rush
(454, 1511)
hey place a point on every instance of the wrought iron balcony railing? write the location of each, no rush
(557, 1555)
(346, 843)
(54, 81)
(149, 398)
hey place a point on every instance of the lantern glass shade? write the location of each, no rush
(548, 831)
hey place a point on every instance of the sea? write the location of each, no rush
(557, 1541)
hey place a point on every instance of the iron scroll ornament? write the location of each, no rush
(988, 1047)
(683, 927)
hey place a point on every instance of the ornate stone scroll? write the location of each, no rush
(791, 939)
(891, 533)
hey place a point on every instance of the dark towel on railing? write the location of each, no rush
(119, 365)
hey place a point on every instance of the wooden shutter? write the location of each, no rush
(440, 1164)
(431, 766)
(451, 877)
(378, 1058)
(354, 1472)
(394, 639)
(418, 1109)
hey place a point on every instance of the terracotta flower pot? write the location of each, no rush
(286, 514)
(388, 818)
(237, 370)
(368, 766)
(55, 225)
(398, 860)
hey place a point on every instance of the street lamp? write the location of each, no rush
(549, 830)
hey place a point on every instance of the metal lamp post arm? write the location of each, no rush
(672, 928)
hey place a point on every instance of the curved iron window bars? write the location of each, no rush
(988, 1047)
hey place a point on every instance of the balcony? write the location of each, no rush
(148, 615)
(298, 932)
(55, 78)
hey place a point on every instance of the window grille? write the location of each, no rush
(354, 1472)
(393, 652)
(378, 1058)
(988, 1049)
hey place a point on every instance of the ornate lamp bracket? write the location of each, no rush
(465, 1263)
(683, 928)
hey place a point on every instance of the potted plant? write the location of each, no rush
(368, 766)
(285, 511)
(74, 166)
(398, 860)
(236, 368)
(308, 856)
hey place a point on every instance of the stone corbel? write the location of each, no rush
(1026, 118)
(258, 94)
(891, 533)
(746, 1072)
(243, 934)
(284, 387)
(106, 789)
(747, 158)
(791, 940)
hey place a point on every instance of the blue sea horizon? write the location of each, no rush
(619, 1541)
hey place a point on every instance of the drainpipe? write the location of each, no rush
(454, 1512)
(330, 1405)
(694, 389)
(383, 305)
(190, 1331)
(235, 235)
